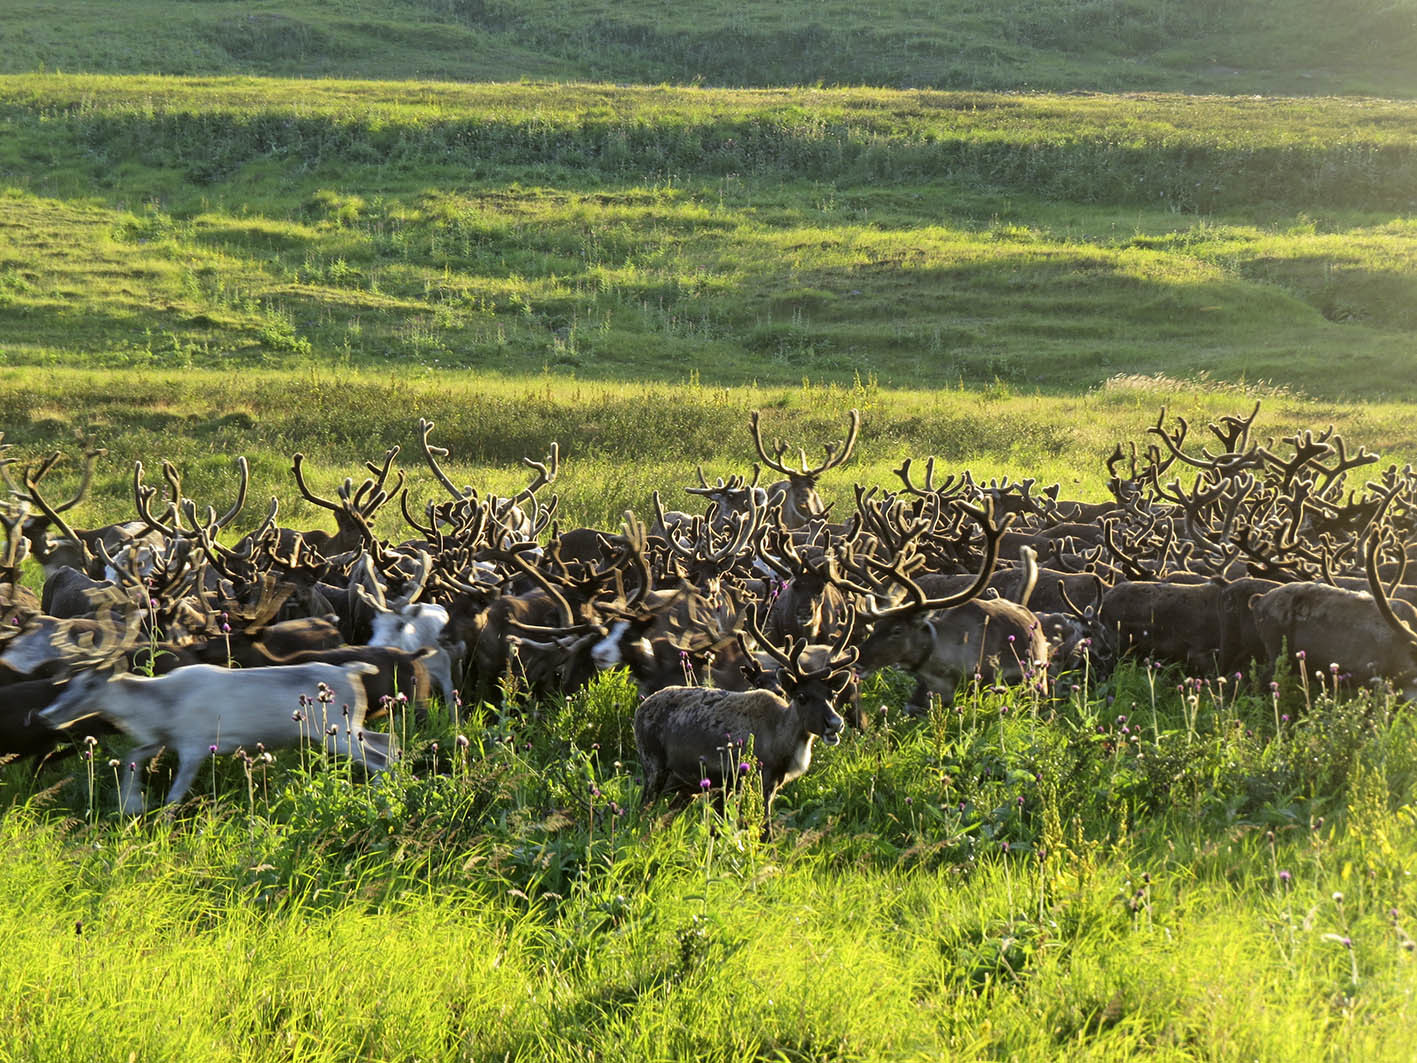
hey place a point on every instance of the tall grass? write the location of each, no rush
(619, 442)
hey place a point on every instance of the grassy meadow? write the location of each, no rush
(622, 227)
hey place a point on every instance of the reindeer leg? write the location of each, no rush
(189, 762)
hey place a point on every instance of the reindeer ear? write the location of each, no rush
(788, 682)
(838, 682)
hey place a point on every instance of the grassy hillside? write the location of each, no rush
(913, 239)
(1247, 46)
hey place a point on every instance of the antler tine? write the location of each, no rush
(788, 659)
(31, 482)
(835, 459)
(245, 470)
(773, 463)
(142, 499)
(431, 453)
(378, 496)
(428, 531)
(90, 459)
(1173, 442)
(1375, 583)
(544, 475)
(568, 617)
(1344, 463)
(1236, 431)
(1068, 600)
(834, 575)
(5, 462)
(904, 473)
(297, 467)
(423, 567)
(843, 654)
(993, 533)
(1130, 566)
(635, 538)
(670, 538)
(382, 471)
(16, 546)
(173, 476)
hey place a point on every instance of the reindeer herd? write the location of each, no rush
(745, 626)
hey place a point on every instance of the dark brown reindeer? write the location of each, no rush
(689, 735)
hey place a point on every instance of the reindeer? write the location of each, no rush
(503, 519)
(947, 639)
(204, 709)
(406, 624)
(354, 511)
(70, 549)
(798, 493)
(688, 734)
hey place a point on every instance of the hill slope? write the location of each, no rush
(923, 239)
(1246, 46)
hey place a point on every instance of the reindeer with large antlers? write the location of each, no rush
(947, 639)
(798, 493)
(505, 520)
(354, 510)
(1367, 635)
(70, 548)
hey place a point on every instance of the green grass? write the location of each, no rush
(1245, 46)
(628, 234)
(986, 883)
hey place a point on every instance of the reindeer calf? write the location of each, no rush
(203, 709)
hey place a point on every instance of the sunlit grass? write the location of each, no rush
(923, 239)
(1097, 878)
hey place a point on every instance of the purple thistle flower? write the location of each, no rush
(211, 749)
(705, 783)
